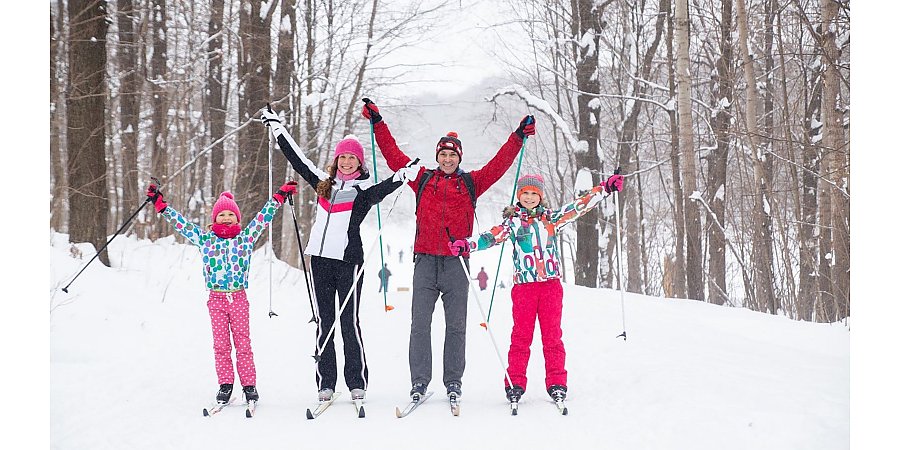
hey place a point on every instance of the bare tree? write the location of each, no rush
(718, 157)
(129, 100)
(255, 72)
(215, 100)
(282, 84)
(692, 226)
(587, 24)
(835, 201)
(86, 136)
(57, 165)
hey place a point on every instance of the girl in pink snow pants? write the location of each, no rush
(537, 292)
(226, 250)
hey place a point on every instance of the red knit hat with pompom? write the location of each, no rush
(449, 142)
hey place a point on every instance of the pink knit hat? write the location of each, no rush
(350, 144)
(226, 202)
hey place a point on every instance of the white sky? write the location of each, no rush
(462, 42)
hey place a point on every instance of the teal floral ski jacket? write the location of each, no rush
(226, 262)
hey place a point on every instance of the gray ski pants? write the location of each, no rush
(433, 276)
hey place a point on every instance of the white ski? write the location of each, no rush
(310, 414)
(418, 400)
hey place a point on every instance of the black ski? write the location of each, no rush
(413, 404)
(360, 408)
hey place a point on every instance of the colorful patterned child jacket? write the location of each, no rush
(533, 232)
(225, 261)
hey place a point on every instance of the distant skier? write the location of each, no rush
(537, 292)
(482, 279)
(384, 275)
(445, 210)
(226, 250)
(345, 194)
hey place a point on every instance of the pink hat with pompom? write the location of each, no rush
(226, 202)
(350, 144)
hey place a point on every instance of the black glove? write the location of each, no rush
(526, 127)
(370, 111)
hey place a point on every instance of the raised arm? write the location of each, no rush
(580, 206)
(267, 213)
(291, 150)
(193, 233)
(485, 177)
(394, 157)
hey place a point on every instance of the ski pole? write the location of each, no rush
(484, 324)
(309, 290)
(270, 244)
(619, 257)
(366, 101)
(352, 289)
(503, 245)
(66, 289)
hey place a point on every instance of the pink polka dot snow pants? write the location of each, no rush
(541, 300)
(229, 313)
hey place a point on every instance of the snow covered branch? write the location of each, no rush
(544, 107)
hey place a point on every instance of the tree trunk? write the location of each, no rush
(692, 226)
(587, 21)
(159, 166)
(808, 293)
(678, 289)
(718, 158)
(255, 71)
(281, 89)
(836, 163)
(86, 135)
(215, 102)
(57, 165)
(129, 103)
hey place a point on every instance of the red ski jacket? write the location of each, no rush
(445, 209)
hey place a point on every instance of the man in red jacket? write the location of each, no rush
(445, 211)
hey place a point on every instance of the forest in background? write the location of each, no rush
(730, 119)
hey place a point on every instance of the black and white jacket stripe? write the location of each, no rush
(335, 233)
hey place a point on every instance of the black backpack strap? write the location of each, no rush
(470, 185)
(422, 182)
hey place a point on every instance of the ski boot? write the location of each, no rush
(250, 393)
(224, 394)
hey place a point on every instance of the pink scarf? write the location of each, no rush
(340, 176)
(226, 231)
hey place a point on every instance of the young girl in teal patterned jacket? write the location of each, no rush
(226, 250)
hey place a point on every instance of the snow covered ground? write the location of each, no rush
(131, 367)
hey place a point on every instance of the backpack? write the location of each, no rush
(467, 180)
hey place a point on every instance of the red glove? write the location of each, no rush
(370, 111)
(284, 191)
(154, 194)
(526, 127)
(613, 183)
(459, 247)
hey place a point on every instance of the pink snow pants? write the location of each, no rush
(541, 300)
(229, 313)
